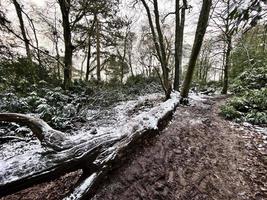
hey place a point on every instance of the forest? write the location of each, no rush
(133, 99)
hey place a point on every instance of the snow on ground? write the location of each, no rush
(124, 119)
(31, 152)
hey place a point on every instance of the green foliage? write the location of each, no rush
(249, 80)
(23, 75)
(230, 112)
(255, 78)
(117, 69)
(141, 80)
(250, 106)
(63, 109)
(150, 84)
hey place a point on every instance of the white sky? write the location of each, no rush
(138, 14)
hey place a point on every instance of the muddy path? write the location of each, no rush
(198, 156)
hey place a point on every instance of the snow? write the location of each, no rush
(196, 97)
(31, 156)
(77, 194)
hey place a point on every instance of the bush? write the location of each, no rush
(255, 78)
(250, 106)
(23, 75)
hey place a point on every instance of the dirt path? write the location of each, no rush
(199, 156)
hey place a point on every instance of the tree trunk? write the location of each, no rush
(177, 46)
(65, 11)
(98, 68)
(179, 38)
(180, 52)
(228, 36)
(124, 56)
(23, 31)
(159, 46)
(90, 32)
(88, 59)
(227, 66)
(130, 63)
(49, 137)
(36, 39)
(165, 69)
(200, 33)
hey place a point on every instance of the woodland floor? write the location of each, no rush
(198, 156)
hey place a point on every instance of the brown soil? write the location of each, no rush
(198, 156)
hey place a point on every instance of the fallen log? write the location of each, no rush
(48, 137)
(95, 153)
(108, 160)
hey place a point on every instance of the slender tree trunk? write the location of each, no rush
(98, 68)
(165, 69)
(264, 37)
(25, 39)
(89, 48)
(158, 40)
(56, 40)
(179, 37)
(154, 36)
(130, 62)
(65, 11)
(58, 63)
(124, 56)
(35, 37)
(228, 36)
(200, 33)
(83, 61)
(180, 52)
(88, 59)
(177, 46)
(227, 66)
(23, 31)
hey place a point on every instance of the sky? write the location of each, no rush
(137, 14)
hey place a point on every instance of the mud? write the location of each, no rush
(198, 156)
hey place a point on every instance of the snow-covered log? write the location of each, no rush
(96, 154)
(48, 137)
(136, 129)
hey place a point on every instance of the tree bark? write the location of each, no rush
(228, 36)
(227, 66)
(200, 33)
(179, 39)
(98, 68)
(49, 137)
(88, 59)
(23, 30)
(158, 40)
(165, 69)
(90, 32)
(35, 37)
(180, 50)
(65, 11)
(177, 46)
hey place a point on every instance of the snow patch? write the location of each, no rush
(85, 186)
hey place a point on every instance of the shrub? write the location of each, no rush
(249, 106)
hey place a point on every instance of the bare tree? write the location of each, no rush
(159, 43)
(23, 29)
